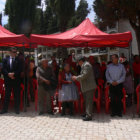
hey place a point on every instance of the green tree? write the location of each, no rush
(110, 11)
(39, 22)
(50, 20)
(64, 10)
(80, 14)
(21, 15)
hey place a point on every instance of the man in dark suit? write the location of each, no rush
(11, 70)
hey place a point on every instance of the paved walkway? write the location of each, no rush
(30, 126)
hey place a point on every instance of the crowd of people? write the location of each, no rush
(51, 78)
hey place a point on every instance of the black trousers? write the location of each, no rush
(15, 85)
(116, 96)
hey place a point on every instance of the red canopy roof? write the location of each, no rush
(8, 38)
(84, 35)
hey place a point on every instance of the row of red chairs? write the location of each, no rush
(97, 99)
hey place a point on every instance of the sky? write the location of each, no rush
(91, 15)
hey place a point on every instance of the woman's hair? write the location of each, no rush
(64, 65)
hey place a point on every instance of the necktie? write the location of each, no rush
(12, 62)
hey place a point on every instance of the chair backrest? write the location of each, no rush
(100, 83)
(97, 92)
(124, 92)
(35, 84)
(138, 89)
(22, 86)
(107, 91)
(1, 86)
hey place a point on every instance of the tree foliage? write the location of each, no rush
(109, 11)
(21, 15)
(64, 9)
(50, 20)
(80, 14)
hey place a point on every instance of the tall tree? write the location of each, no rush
(80, 14)
(0, 18)
(109, 11)
(50, 20)
(21, 15)
(64, 10)
(38, 27)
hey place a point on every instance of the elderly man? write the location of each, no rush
(88, 85)
(115, 75)
(44, 75)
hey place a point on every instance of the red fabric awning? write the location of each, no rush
(8, 38)
(84, 35)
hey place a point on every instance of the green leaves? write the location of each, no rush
(109, 11)
(21, 15)
(80, 14)
(64, 10)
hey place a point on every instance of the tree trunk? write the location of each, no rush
(137, 31)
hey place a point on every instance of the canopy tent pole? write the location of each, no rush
(131, 67)
(2, 53)
(36, 56)
(25, 101)
(30, 49)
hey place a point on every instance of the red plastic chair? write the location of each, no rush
(138, 96)
(107, 100)
(101, 83)
(2, 89)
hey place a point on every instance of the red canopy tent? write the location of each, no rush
(84, 35)
(8, 38)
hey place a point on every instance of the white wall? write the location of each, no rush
(124, 26)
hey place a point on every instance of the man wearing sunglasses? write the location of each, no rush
(11, 70)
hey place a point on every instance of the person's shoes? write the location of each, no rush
(120, 115)
(63, 114)
(113, 115)
(50, 113)
(139, 115)
(83, 115)
(17, 112)
(41, 113)
(3, 112)
(71, 113)
(87, 118)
